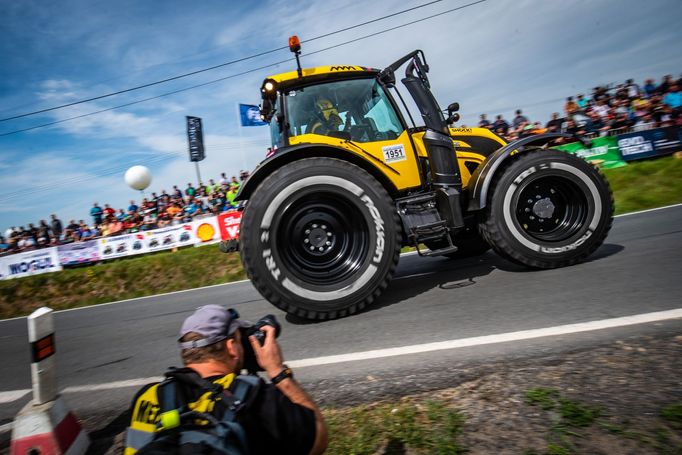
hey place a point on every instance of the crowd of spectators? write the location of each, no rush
(608, 110)
(157, 211)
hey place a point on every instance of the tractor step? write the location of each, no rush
(433, 232)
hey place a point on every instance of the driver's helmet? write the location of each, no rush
(328, 111)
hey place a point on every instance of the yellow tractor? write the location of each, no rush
(354, 178)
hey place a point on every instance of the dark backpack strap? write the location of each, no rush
(243, 391)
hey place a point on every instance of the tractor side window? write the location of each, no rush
(383, 118)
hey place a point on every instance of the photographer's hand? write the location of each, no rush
(268, 356)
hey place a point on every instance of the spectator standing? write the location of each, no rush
(96, 213)
(43, 233)
(673, 98)
(582, 102)
(223, 180)
(519, 119)
(132, 208)
(570, 107)
(176, 192)
(484, 122)
(190, 191)
(109, 212)
(56, 225)
(632, 88)
(500, 126)
(554, 125)
(649, 88)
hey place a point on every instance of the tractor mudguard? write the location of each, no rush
(480, 180)
(286, 155)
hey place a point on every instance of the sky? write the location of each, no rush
(492, 57)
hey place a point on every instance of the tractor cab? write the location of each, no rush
(343, 102)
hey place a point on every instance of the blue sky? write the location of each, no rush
(492, 57)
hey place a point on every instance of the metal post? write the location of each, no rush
(199, 182)
(43, 361)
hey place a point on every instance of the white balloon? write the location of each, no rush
(138, 177)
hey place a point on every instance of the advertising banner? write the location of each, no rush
(206, 230)
(169, 237)
(29, 263)
(645, 144)
(122, 245)
(78, 252)
(195, 137)
(229, 222)
(604, 151)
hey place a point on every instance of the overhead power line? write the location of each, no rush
(390, 29)
(221, 65)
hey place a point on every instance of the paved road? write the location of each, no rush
(638, 270)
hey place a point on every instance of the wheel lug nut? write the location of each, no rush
(329, 234)
(527, 210)
(312, 248)
(530, 201)
(314, 226)
(321, 249)
(306, 241)
(324, 226)
(532, 217)
(537, 196)
(307, 231)
(327, 243)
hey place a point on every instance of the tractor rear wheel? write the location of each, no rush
(320, 238)
(547, 209)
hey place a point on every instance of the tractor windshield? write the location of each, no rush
(355, 109)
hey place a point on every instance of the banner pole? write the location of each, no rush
(241, 141)
(199, 182)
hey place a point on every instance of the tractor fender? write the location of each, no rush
(480, 180)
(286, 155)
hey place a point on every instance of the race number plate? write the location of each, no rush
(394, 153)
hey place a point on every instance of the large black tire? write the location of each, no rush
(547, 209)
(320, 238)
(469, 244)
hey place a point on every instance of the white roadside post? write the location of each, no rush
(43, 363)
(46, 425)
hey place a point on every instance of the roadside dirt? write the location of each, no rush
(627, 384)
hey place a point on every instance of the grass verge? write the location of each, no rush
(418, 426)
(641, 185)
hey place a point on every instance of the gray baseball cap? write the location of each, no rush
(213, 322)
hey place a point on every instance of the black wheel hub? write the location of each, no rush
(551, 208)
(323, 238)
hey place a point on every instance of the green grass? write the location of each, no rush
(119, 279)
(420, 427)
(646, 184)
(638, 186)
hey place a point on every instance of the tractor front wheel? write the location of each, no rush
(320, 238)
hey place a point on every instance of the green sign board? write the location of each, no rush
(604, 151)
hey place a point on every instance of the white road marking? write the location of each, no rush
(9, 396)
(410, 253)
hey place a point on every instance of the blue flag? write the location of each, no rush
(250, 115)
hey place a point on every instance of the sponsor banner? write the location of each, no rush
(604, 151)
(122, 245)
(229, 222)
(206, 230)
(645, 144)
(169, 237)
(29, 263)
(195, 137)
(78, 252)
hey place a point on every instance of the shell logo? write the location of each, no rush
(205, 232)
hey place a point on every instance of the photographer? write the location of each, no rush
(276, 417)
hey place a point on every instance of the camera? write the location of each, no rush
(250, 363)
